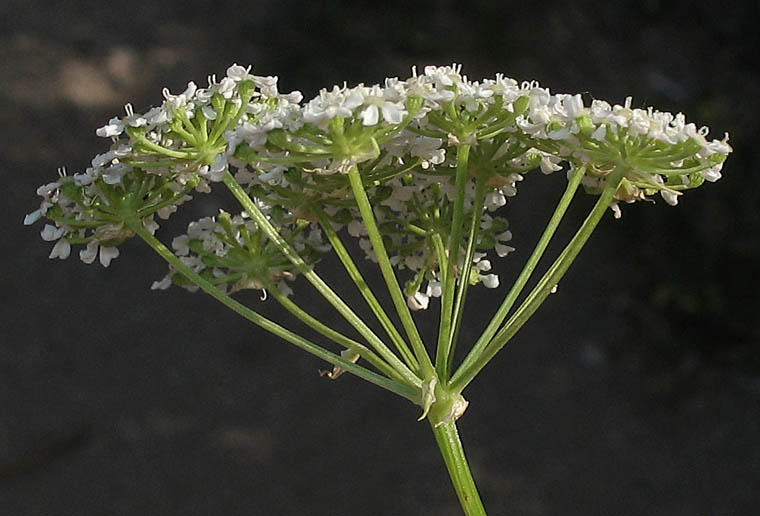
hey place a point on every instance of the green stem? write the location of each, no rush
(140, 137)
(525, 274)
(452, 251)
(440, 251)
(450, 445)
(544, 287)
(366, 291)
(401, 389)
(287, 250)
(365, 208)
(464, 282)
(330, 333)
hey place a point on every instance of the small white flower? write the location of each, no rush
(549, 164)
(113, 128)
(150, 224)
(166, 211)
(218, 169)
(495, 200)
(573, 105)
(238, 73)
(376, 102)
(180, 245)
(712, 174)
(163, 283)
(490, 280)
(434, 288)
(356, 228)
(418, 301)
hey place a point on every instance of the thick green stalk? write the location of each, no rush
(287, 250)
(450, 445)
(366, 291)
(452, 251)
(544, 287)
(401, 389)
(332, 334)
(365, 208)
(525, 274)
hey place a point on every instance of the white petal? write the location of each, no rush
(209, 112)
(33, 217)
(88, 254)
(50, 233)
(670, 197)
(61, 249)
(370, 115)
(392, 114)
(503, 250)
(107, 254)
(599, 133)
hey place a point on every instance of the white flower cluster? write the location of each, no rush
(86, 209)
(233, 254)
(407, 138)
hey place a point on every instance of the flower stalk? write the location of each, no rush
(368, 217)
(445, 340)
(391, 385)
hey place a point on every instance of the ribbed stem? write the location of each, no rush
(447, 437)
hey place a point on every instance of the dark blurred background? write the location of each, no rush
(635, 390)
